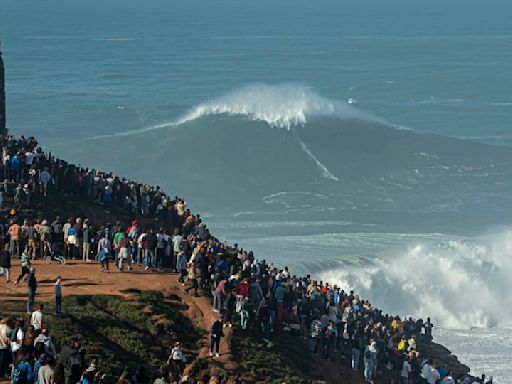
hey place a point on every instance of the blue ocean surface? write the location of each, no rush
(365, 142)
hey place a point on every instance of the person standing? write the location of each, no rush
(72, 357)
(15, 233)
(45, 374)
(86, 239)
(176, 246)
(368, 364)
(58, 296)
(215, 335)
(44, 239)
(118, 236)
(32, 287)
(150, 245)
(104, 249)
(31, 238)
(181, 266)
(123, 254)
(357, 347)
(36, 319)
(161, 243)
(406, 371)
(4, 347)
(220, 293)
(5, 265)
(44, 179)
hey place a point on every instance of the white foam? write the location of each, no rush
(281, 106)
(325, 172)
(460, 284)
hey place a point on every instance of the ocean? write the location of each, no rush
(366, 143)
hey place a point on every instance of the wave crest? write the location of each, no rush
(281, 106)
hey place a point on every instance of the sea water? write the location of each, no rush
(303, 130)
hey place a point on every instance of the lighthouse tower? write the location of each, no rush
(2, 93)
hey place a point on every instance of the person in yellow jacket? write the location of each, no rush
(402, 345)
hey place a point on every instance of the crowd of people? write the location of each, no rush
(248, 293)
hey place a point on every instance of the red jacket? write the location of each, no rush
(244, 289)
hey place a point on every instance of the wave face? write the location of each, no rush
(459, 284)
(368, 170)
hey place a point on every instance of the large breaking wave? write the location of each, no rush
(281, 106)
(460, 284)
(284, 106)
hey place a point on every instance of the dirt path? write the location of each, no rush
(80, 278)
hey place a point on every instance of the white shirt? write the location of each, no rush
(176, 354)
(140, 239)
(16, 344)
(4, 336)
(176, 240)
(37, 319)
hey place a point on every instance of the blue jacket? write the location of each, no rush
(25, 367)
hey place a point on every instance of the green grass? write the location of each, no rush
(119, 332)
(272, 363)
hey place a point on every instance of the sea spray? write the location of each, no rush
(459, 284)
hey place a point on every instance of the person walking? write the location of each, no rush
(32, 287)
(25, 267)
(215, 336)
(176, 360)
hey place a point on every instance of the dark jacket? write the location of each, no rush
(32, 282)
(150, 241)
(217, 329)
(5, 260)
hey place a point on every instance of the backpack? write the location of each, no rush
(19, 376)
(39, 348)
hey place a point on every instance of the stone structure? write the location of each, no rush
(2, 93)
